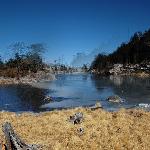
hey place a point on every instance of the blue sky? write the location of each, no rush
(71, 26)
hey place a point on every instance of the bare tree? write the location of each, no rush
(35, 56)
(18, 48)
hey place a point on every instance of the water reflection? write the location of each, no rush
(134, 90)
(117, 80)
(75, 90)
(21, 98)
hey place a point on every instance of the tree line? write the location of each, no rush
(27, 59)
(136, 51)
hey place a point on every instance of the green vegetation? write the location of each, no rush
(136, 51)
(27, 59)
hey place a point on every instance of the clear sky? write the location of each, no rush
(71, 26)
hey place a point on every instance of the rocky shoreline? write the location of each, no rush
(138, 70)
(29, 79)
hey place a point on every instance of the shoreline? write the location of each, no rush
(133, 74)
(137, 70)
(140, 74)
(38, 77)
(125, 129)
(33, 80)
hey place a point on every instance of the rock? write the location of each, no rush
(143, 105)
(48, 98)
(115, 99)
(77, 118)
(96, 106)
(80, 130)
(117, 69)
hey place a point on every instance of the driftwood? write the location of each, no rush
(13, 142)
(2, 146)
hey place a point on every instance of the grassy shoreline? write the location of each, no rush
(125, 129)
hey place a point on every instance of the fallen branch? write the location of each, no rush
(13, 142)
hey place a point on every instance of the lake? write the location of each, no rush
(72, 90)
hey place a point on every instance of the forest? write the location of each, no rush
(135, 51)
(26, 59)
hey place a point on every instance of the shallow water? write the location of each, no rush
(75, 90)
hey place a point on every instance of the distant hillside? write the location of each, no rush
(136, 51)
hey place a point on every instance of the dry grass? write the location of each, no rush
(126, 129)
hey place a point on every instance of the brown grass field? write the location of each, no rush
(125, 129)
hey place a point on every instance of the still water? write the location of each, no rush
(75, 90)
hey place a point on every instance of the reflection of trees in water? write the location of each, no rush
(125, 86)
(133, 88)
(100, 82)
(31, 98)
(117, 80)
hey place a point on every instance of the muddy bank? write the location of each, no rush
(125, 129)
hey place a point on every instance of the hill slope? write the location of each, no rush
(136, 51)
